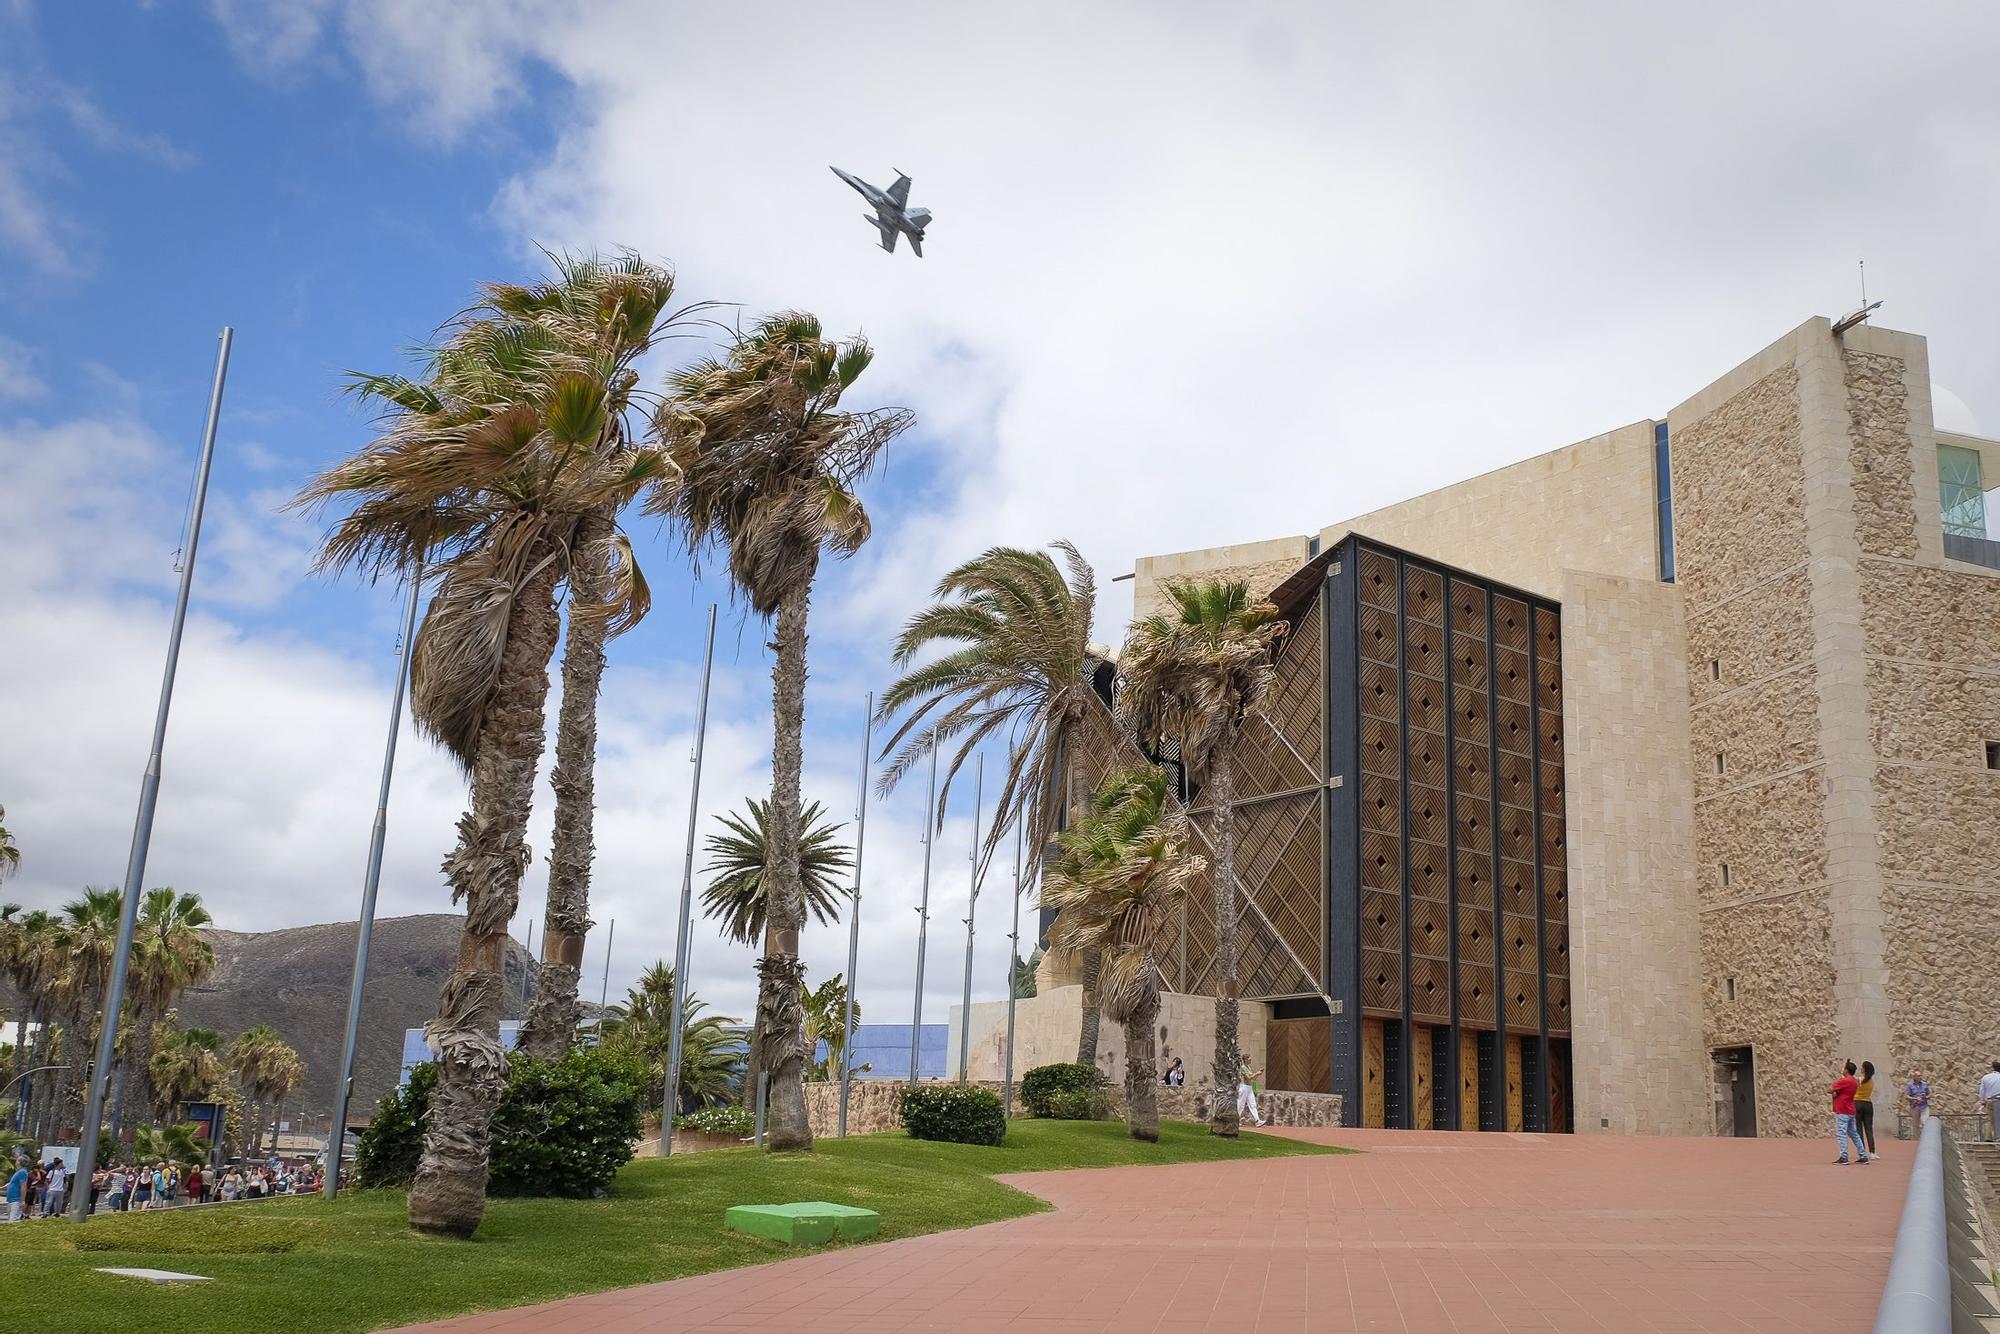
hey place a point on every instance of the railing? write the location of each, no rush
(1917, 1297)
(1976, 550)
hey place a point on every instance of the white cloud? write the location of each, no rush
(18, 378)
(272, 37)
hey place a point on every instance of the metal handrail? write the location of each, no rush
(1917, 1297)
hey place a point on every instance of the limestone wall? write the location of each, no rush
(1046, 1026)
(876, 1105)
(1262, 565)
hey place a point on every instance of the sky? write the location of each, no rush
(1197, 275)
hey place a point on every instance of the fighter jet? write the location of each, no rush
(893, 213)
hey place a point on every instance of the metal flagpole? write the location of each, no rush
(671, 1100)
(971, 911)
(604, 994)
(371, 881)
(149, 797)
(854, 912)
(924, 912)
(1013, 985)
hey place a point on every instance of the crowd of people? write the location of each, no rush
(42, 1190)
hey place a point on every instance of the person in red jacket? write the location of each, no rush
(1844, 1132)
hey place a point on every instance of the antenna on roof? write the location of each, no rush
(1852, 318)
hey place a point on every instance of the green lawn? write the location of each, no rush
(353, 1265)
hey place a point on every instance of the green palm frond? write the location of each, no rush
(737, 857)
(1193, 676)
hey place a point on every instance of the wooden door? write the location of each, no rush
(1372, 1072)
(1420, 1076)
(1299, 1055)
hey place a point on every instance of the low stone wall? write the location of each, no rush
(876, 1105)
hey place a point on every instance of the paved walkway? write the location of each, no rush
(1425, 1232)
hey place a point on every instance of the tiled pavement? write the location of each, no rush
(1423, 1232)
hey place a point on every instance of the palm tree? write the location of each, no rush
(185, 1064)
(169, 954)
(644, 1024)
(825, 1008)
(737, 858)
(612, 311)
(1018, 663)
(81, 948)
(485, 469)
(266, 1069)
(25, 961)
(768, 465)
(1117, 884)
(1192, 678)
(10, 851)
(170, 1143)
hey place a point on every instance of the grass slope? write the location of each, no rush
(353, 1265)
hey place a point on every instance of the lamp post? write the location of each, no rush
(854, 913)
(971, 910)
(371, 881)
(924, 912)
(149, 798)
(672, 1099)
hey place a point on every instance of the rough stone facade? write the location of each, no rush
(1831, 887)
(876, 1105)
(1046, 1026)
(1261, 565)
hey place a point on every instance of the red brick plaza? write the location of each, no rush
(1423, 1232)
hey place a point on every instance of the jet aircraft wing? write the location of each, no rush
(889, 232)
(899, 193)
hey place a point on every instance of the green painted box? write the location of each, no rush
(809, 1224)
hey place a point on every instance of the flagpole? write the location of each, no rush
(1013, 953)
(854, 913)
(671, 1100)
(149, 798)
(971, 911)
(924, 911)
(370, 883)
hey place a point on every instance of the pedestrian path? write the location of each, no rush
(1424, 1232)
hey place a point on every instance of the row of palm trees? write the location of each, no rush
(501, 474)
(58, 962)
(1004, 651)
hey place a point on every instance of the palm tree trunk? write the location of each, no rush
(1223, 1119)
(1142, 1075)
(449, 1192)
(1086, 1038)
(781, 973)
(552, 1019)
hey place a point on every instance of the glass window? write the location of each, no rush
(1663, 497)
(1961, 491)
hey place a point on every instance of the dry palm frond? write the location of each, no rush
(1120, 875)
(1193, 676)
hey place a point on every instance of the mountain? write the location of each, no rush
(296, 981)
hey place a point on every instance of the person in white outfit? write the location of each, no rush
(1989, 1096)
(1246, 1094)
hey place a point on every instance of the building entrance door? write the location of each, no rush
(1735, 1092)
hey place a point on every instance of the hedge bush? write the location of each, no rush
(563, 1127)
(1067, 1092)
(954, 1113)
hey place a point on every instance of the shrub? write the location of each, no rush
(954, 1113)
(1069, 1092)
(563, 1127)
(394, 1140)
(738, 1121)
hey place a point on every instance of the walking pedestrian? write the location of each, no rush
(1989, 1098)
(1918, 1091)
(17, 1190)
(1246, 1094)
(1843, 1115)
(1864, 1107)
(56, 1189)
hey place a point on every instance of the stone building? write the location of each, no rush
(1779, 652)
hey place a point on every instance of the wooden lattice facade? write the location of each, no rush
(1400, 848)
